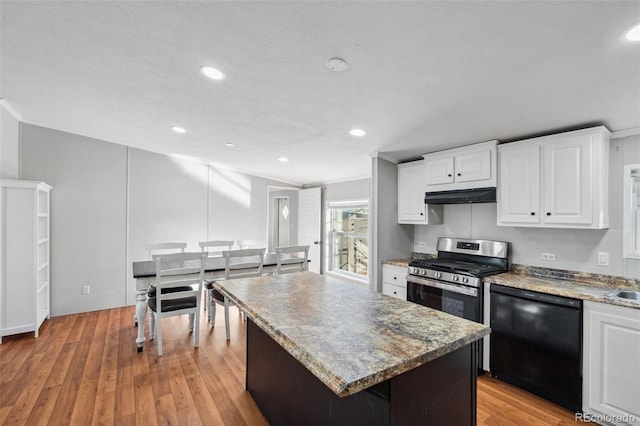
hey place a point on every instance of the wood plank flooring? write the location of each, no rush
(84, 370)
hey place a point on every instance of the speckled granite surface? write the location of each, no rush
(349, 337)
(405, 262)
(398, 262)
(578, 285)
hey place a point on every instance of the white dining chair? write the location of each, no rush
(213, 248)
(164, 248)
(292, 259)
(178, 286)
(248, 244)
(242, 263)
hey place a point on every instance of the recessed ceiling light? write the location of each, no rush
(632, 34)
(230, 144)
(212, 73)
(336, 64)
(178, 129)
(357, 132)
(283, 159)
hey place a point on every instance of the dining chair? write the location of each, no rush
(183, 271)
(213, 248)
(164, 248)
(292, 259)
(241, 263)
(249, 244)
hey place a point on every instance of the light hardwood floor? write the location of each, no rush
(84, 369)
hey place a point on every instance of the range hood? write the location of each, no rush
(460, 196)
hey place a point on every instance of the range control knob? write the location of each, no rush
(423, 272)
(454, 278)
(465, 280)
(438, 274)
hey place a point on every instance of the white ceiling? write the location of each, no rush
(422, 76)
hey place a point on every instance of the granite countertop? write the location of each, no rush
(398, 262)
(588, 287)
(349, 337)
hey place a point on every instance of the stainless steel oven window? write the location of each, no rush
(348, 250)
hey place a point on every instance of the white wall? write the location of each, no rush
(108, 200)
(9, 145)
(575, 249)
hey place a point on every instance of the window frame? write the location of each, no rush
(332, 206)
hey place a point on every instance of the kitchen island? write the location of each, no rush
(324, 351)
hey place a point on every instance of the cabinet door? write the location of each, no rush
(439, 170)
(612, 361)
(519, 175)
(411, 189)
(473, 166)
(566, 180)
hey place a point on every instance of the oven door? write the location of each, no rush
(458, 300)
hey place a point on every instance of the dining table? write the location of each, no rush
(144, 272)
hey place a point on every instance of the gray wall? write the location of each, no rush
(88, 215)
(349, 190)
(575, 249)
(9, 145)
(390, 240)
(108, 200)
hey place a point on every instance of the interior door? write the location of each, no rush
(309, 224)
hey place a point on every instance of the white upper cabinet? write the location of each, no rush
(557, 181)
(519, 191)
(472, 166)
(411, 189)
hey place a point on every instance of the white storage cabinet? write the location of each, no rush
(467, 167)
(394, 281)
(24, 253)
(611, 363)
(557, 181)
(411, 189)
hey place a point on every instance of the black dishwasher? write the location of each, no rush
(536, 344)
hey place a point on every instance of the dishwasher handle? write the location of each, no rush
(536, 296)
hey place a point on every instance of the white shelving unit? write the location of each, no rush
(24, 256)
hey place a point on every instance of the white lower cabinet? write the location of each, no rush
(611, 368)
(394, 281)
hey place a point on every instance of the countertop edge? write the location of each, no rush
(582, 290)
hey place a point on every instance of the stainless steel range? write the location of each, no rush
(452, 282)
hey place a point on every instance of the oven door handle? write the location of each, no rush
(449, 287)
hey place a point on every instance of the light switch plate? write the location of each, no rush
(422, 244)
(603, 258)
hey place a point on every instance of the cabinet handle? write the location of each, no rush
(395, 292)
(548, 213)
(533, 213)
(421, 214)
(395, 278)
(449, 175)
(459, 174)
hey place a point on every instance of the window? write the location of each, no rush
(348, 234)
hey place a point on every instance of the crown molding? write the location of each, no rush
(11, 110)
(626, 132)
(384, 157)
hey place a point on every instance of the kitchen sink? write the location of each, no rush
(626, 294)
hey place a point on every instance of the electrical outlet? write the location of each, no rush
(86, 289)
(548, 256)
(422, 244)
(603, 258)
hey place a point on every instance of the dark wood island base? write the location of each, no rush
(442, 391)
